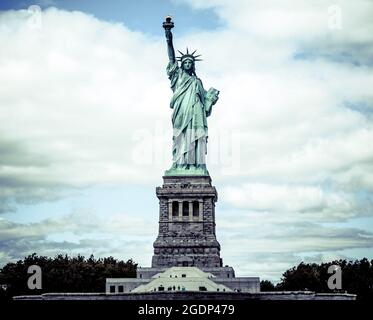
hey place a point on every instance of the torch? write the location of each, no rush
(168, 24)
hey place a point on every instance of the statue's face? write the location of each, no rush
(188, 64)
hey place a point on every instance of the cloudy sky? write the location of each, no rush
(85, 127)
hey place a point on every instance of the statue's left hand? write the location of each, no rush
(212, 95)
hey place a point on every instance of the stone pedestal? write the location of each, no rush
(186, 234)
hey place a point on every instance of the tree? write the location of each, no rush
(303, 277)
(357, 277)
(266, 285)
(64, 274)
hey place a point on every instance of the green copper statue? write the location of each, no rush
(191, 105)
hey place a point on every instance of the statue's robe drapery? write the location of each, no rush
(188, 119)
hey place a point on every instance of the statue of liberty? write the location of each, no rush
(191, 105)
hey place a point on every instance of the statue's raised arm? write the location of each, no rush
(168, 25)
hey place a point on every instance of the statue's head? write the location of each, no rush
(188, 65)
(188, 61)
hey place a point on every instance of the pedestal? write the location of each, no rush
(186, 234)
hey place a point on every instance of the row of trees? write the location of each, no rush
(78, 274)
(63, 274)
(357, 278)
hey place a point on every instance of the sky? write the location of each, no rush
(85, 127)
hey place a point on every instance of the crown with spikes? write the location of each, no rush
(188, 55)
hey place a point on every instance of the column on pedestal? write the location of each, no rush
(190, 210)
(200, 218)
(180, 210)
(169, 210)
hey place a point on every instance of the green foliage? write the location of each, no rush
(266, 285)
(357, 278)
(78, 274)
(64, 274)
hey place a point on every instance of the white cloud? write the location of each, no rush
(74, 94)
(289, 20)
(286, 198)
(80, 232)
